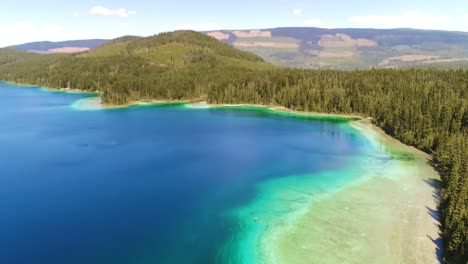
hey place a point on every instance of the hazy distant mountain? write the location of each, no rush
(352, 48)
(327, 48)
(61, 47)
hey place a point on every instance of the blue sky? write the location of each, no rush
(32, 20)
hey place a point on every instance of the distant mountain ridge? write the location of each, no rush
(351, 48)
(61, 46)
(320, 48)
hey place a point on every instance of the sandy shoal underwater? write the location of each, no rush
(381, 211)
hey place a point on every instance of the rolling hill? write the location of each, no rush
(352, 48)
(170, 66)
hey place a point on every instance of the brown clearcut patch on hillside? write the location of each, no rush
(265, 44)
(409, 58)
(446, 60)
(219, 35)
(343, 40)
(252, 34)
(68, 50)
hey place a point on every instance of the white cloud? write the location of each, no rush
(103, 11)
(297, 11)
(406, 20)
(123, 25)
(76, 14)
(198, 27)
(313, 22)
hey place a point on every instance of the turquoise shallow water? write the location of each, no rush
(160, 184)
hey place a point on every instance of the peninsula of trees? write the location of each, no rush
(425, 108)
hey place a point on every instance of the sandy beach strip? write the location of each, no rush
(275, 109)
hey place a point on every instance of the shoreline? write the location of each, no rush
(54, 90)
(394, 201)
(276, 109)
(95, 103)
(379, 136)
(194, 104)
(147, 103)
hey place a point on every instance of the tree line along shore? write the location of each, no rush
(424, 108)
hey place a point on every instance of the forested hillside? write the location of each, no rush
(171, 66)
(423, 108)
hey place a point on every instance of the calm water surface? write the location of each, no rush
(145, 184)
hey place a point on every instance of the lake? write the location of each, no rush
(161, 183)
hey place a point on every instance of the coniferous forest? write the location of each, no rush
(425, 108)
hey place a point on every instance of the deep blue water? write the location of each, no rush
(142, 184)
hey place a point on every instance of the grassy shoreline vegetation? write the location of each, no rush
(424, 108)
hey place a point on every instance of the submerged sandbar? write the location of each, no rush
(390, 217)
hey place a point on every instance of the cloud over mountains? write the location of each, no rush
(104, 11)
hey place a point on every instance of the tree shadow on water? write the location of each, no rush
(434, 183)
(434, 213)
